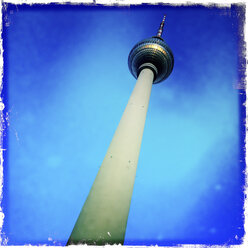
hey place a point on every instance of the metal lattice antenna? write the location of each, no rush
(159, 34)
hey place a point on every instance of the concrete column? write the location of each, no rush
(103, 218)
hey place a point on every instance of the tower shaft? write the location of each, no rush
(103, 218)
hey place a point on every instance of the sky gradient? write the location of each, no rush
(66, 85)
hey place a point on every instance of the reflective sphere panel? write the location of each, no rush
(155, 51)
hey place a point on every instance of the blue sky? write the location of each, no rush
(66, 85)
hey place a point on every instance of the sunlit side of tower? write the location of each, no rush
(103, 218)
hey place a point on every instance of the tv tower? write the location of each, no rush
(103, 218)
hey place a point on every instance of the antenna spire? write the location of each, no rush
(159, 34)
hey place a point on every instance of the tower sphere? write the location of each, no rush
(153, 53)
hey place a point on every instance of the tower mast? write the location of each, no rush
(103, 218)
(160, 31)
